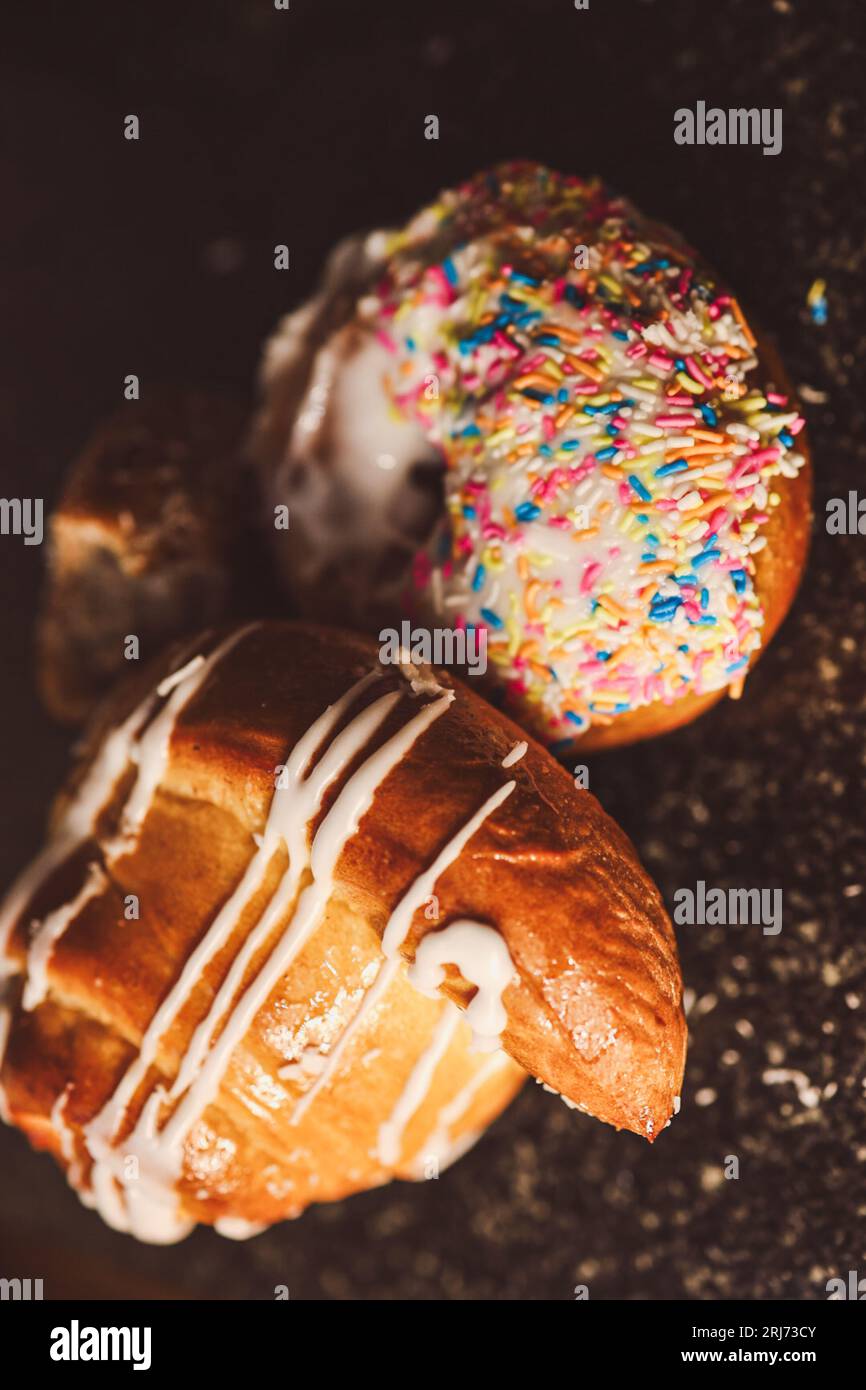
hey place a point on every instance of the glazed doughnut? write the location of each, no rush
(140, 542)
(625, 478)
(303, 923)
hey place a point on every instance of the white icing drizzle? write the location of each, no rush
(401, 918)
(517, 752)
(151, 751)
(417, 1086)
(439, 1142)
(483, 958)
(385, 974)
(77, 824)
(338, 827)
(395, 934)
(48, 932)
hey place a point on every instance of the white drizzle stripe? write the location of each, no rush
(480, 954)
(401, 918)
(439, 1140)
(338, 827)
(105, 1124)
(343, 749)
(387, 971)
(152, 749)
(395, 934)
(77, 824)
(48, 932)
(416, 1088)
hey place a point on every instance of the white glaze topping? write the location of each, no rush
(483, 959)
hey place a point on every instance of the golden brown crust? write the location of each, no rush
(596, 1013)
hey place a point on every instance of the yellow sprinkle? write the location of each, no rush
(688, 385)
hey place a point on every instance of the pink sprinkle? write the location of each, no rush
(665, 504)
(386, 340)
(591, 571)
(775, 398)
(493, 531)
(637, 350)
(659, 358)
(697, 372)
(548, 428)
(624, 493)
(561, 522)
(797, 425)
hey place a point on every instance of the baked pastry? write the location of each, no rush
(623, 492)
(140, 543)
(208, 1008)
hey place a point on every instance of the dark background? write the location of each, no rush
(259, 127)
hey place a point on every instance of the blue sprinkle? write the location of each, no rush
(548, 339)
(676, 466)
(574, 296)
(687, 580)
(469, 512)
(639, 488)
(612, 430)
(648, 555)
(680, 365)
(787, 438)
(642, 518)
(546, 450)
(544, 396)
(410, 343)
(710, 416)
(618, 333)
(736, 665)
(705, 558)
(523, 279)
(570, 444)
(562, 395)
(450, 270)
(602, 656)
(492, 618)
(469, 431)
(527, 511)
(575, 719)
(478, 578)
(705, 598)
(739, 580)
(652, 538)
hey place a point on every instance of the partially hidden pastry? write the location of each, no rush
(303, 923)
(622, 498)
(140, 543)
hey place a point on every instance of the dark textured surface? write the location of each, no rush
(261, 127)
